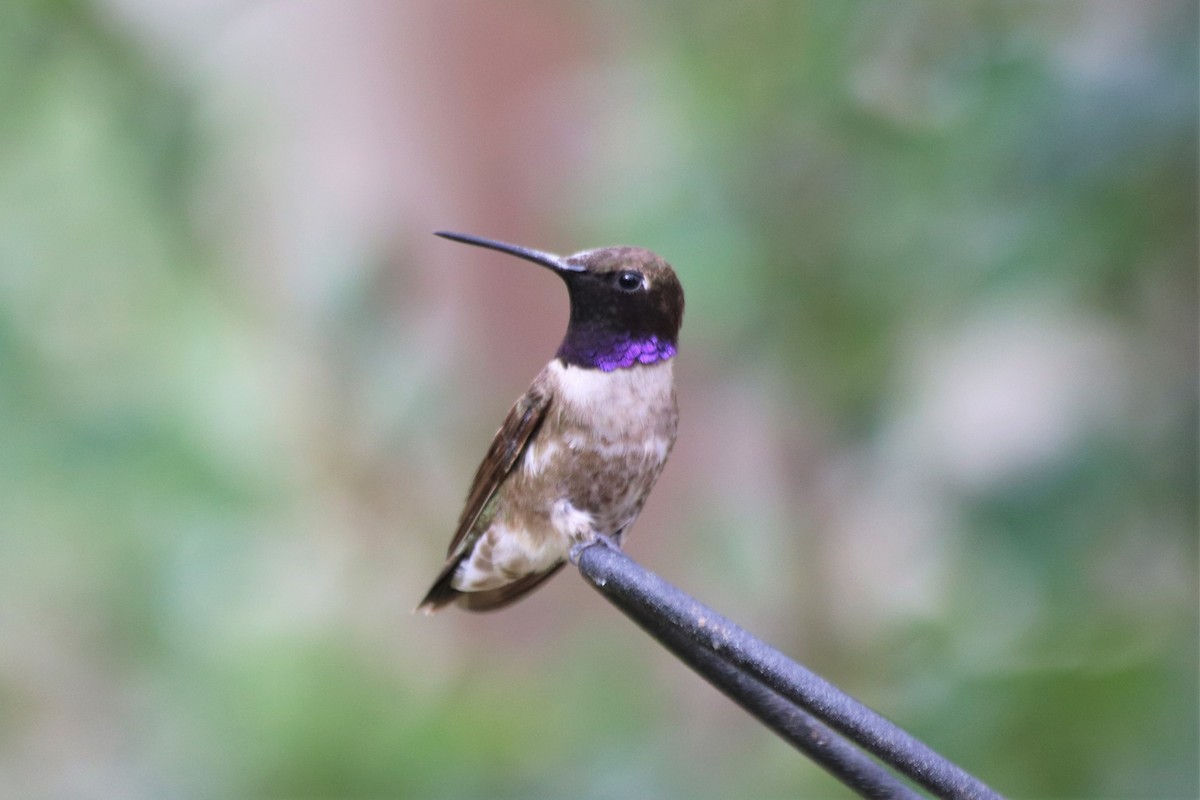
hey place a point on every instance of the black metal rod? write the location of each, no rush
(643, 595)
(827, 748)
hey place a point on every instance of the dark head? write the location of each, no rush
(626, 303)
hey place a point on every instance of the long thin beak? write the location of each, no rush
(556, 263)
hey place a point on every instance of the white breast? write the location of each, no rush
(616, 403)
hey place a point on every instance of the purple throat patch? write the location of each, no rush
(627, 352)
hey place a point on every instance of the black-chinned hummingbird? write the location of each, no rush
(579, 452)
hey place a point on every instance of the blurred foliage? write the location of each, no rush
(857, 194)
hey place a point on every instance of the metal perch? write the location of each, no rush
(792, 701)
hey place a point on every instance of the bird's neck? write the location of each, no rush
(608, 350)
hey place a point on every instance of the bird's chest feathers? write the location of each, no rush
(622, 405)
(606, 422)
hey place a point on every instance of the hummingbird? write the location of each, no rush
(576, 457)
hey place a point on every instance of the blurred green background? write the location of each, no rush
(938, 382)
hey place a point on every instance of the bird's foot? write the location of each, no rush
(599, 539)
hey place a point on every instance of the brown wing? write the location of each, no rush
(518, 428)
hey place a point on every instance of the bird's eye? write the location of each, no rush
(630, 281)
